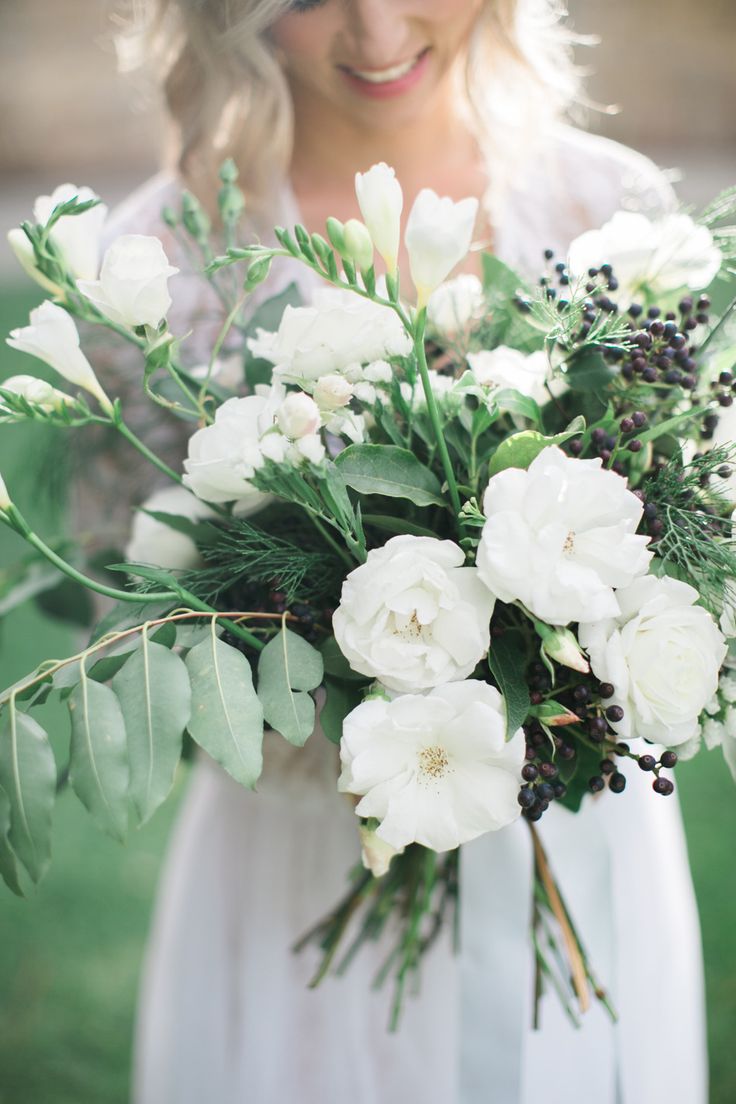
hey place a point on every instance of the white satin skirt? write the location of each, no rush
(225, 1015)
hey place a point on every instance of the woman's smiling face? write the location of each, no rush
(377, 61)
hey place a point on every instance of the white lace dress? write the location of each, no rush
(225, 1014)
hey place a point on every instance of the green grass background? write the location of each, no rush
(70, 955)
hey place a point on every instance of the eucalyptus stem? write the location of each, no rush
(432, 409)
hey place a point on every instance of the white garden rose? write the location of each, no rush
(133, 286)
(561, 537)
(225, 455)
(455, 304)
(433, 768)
(663, 256)
(298, 416)
(381, 201)
(504, 367)
(662, 654)
(438, 236)
(413, 615)
(154, 542)
(77, 237)
(53, 337)
(35, 391)
(332, 392)
(338, 331)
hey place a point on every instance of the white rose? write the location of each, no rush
(77, 237)
(413, 615)
(333, 391)
(438, 236)
(560, 537)
(154, 542)
(434, 768)
(455, 304)
(298, 415)
(663, 256)
(338, 331)
(52, 337)
(133, 286)
(505, 367)
(662, 654)
(36, 391)
(225, 455)
(381, 201)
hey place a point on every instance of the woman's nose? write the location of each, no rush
(381, 32)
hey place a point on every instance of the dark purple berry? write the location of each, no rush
(530, 772)
(617, 782)
(663, 786)
(647, 762)
(596, 784)
(669, 759)
(615, 713)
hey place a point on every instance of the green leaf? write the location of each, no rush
(578, 774)
(155, 696)
(28, 777)
(589, 372)
(399, 525)
(505, 324)
(288, 667)
(669, 425)
(519, 450)
(8, 864)
(342, 698)
(201, 532)
(388, 470)
(513, 402)
(227, 717)
(507, 660)
(337, 665)
(98, 763)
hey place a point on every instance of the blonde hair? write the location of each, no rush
(226, 93)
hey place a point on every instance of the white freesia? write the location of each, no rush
(298, 415)
(36, 391)
(338, 331)
(527, 373)
(225, 455)
(381, 201)
(53, 337)
(662, 654)
(154, 542)
(434, 768)
(560, 537)
(413, 615)
(4, 496)
(26, 258)
(358, 244)
(438, 236)
(455, 304)
(133, 286)
(77, 237)
(663, 256)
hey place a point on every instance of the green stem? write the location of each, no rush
(144, 450)
(434, 415)
(326, 536)
(233, 627)
(227, 324)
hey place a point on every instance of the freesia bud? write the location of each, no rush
(438, 236)
(381, 201)
(332, 391)
(53, 338)
(133, 286)
(375, 853)
(5, 502)
(554, 714)
(36, 391)
(298, 416)
(26, 258)
(358, 244)
(336, 234)
(561, 645)
(76, 237)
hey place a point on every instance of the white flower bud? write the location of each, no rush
(298, 416)
(561, 645)
(375, 853)
(4, 496)
(366, 392)
(36, 391)
(438, 236)
(133, 286)
(380, 371)
(53, 338)
(332, 391)
(381, 201)
(358, 244)
(310, 448)
(26, 258)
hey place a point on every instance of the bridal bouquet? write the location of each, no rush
(485, 528)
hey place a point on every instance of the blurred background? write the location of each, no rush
(69, 958)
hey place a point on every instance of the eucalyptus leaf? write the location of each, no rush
(227, 717)
(288, 667)
(8, 863)
(507, 660)
(155, 696)
(98, 762)
(391, 471)
(28, 777)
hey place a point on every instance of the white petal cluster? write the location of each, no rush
(412, 615)
(338, 331)
(454, 305)
(154, 542)
(561, 538)
(504, 367)
(434, 768)
(438, 236)
(133, 286)
(381, 201)
(53, 337)
(662, 653)
(661, 256)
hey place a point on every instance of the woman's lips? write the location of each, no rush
(381, 84)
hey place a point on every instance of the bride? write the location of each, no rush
(465, 97)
